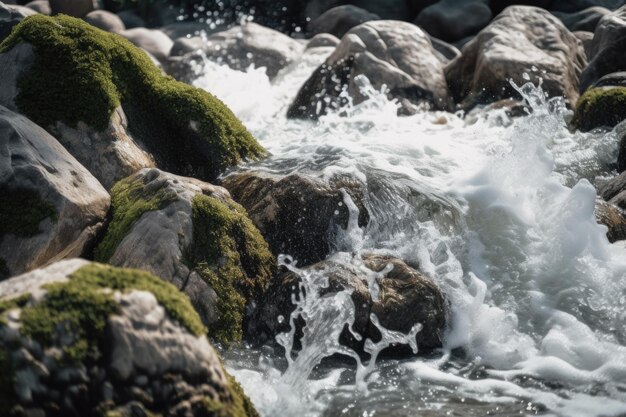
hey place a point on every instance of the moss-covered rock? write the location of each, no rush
(81, 74)
(122, 325)
(195, 236)
(600, 106)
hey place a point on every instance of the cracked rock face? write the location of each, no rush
(52, 207)
(150, 362)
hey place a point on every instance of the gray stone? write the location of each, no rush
(339, 20)
(40, 6)
(75, 8)
(572, 6)
(68, 204)
(452, 20)
(398, 55)
(520, 40)
(253, 44)
(584, 20)
(131, 19)
(11, 15)
(322, 40)
(105, 20)
(154, 41)
(614, 218)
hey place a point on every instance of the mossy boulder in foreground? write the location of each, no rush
(192, 234)
(600, 106)
(84, 339)
(84, 81)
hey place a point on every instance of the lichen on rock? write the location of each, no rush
(83, 74)
(100, 331)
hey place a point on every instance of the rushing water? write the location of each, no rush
(498, 211)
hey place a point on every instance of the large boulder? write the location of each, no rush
(84, 339)
(520, 40)
(398, 295)
(607, 48)
(571, 6)
(11, 15)
(298, 215)
(584, 20)
(192, 234)
(387, 9)
(75, 8)
(253, 44)
(52, 207)
(398, 55)
(105, 20)
(453, 20)
(40, 6)
(339, 20)
(105, 99)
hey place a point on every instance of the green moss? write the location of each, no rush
(240, 405)
(81, 74)
(601, 106)
(22, 210)
(84, 303)
(232, 256)
(129, 201)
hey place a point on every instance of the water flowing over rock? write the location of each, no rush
(395, 54)
(339, 20)
(398, 296)
(253, 44)
(84, 339)
(520, 39)
(297, 214)
(52, 207)
(452, 20)
(109, 99)
(191, 234)
(606, 49)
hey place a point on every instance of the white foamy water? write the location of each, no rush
(499, 212)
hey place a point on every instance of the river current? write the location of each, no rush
(498, 211)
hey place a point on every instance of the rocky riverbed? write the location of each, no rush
(254, 208)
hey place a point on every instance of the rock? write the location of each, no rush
(600, 107)
(584, 20)
(586, 38)
(445, 51)
(93, 106)
(189, 29)
(154, 41)
(614, 218)
(388, 9)
(10, 16)
(298, 215)
(498, 5)
(90, 341)
(607, 48)
(404, 297)
(322, 40)
(192, 234)
(396, 54)
(40, 6)
(52, 208)
(131, 19)
(452, 20)
(252, 44)
(612, 187)
(572, 6)
(75, 8)
(105, 20)
(184, 46)
(339, 20)
(516, 41)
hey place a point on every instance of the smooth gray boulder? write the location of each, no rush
(157, 43)
(398, 55)
(452, 20)
(571, 6)
(253, 44)
(339, 20)
(40, 6)
(105, 20)
(75, 8)
(52, 207)
(11, 15)
(522, 39)
(107, 340)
